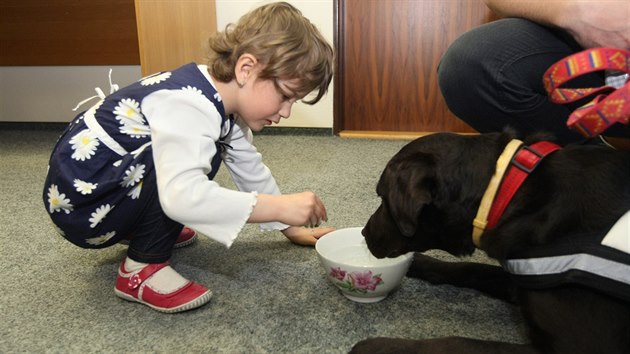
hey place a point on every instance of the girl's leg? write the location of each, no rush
(155, 235)
(491, 77)
(145, 276)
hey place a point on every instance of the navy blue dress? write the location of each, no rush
(98, 166)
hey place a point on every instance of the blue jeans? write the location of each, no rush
(491, 78)
(155, 233)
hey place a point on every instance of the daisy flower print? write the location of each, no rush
(84, 145)
(133, 175)
(136, 130)
(99, 240)
(128, 114)
(192, 89)
(58, 201)
(155, 79)
(134, 193)
(84, 187)
(99, 214)
(128, 109)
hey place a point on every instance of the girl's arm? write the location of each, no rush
(250, 173)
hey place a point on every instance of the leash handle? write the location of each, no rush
(609, 106)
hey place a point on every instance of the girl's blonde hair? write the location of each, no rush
(286, 43)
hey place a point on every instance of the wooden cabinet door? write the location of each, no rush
(387, 57)
(67, 32)
(172, 33)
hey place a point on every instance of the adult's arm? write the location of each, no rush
(593, 23)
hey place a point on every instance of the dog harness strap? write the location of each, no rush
(522, 164)
(588, 259)
(519, 161)
(609, 106)
(481, 220)
(581, 268)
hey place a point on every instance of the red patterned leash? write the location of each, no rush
(610, 106)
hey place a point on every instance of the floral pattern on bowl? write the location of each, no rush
(356, 282)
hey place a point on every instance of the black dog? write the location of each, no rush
(431, 191)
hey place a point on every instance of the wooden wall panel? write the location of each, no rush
(388, 52)
(173, 33)
(68, 32)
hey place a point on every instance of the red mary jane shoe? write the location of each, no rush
(186, 237)
(132, 286)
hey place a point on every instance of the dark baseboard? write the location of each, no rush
(45, 126)
(60, 126)
(296, 131)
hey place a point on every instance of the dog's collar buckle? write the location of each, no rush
(526, 159)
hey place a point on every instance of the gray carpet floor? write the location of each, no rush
(270, 296)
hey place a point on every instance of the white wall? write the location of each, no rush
(48, 93)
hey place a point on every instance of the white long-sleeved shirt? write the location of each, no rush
(183, 149)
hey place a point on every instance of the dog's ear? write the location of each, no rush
(405, 187)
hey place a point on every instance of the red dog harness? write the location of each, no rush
(523, 163)
(601, 262)
(610, 106)
(511, 171)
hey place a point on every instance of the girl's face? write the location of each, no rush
(263, 102)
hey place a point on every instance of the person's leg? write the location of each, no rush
(145, 276)
(491, 77)
(155, 235)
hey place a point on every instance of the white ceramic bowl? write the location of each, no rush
(351, 267)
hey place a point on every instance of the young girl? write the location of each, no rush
(138, 166)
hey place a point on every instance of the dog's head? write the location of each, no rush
(430, 191)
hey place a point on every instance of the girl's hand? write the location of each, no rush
(299, 209)
(305, 236)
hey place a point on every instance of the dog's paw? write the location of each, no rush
(381, 345)
(427, 268)
(489, 279)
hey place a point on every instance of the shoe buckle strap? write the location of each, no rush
(138, 278)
